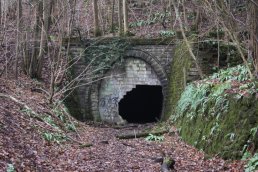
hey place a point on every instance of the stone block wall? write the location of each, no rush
(162, 53)
(146, 62)
(121, 79)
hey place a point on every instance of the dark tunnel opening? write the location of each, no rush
(142, 104)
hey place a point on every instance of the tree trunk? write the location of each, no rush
(112, 15)
(0, 12)
(185, 16)
(186, 41)
(198, 19)
(120, 17)
(171, 8)
(19, 17)
(164, 2)
(71, 18)
(97, 31)
(25, 54)
(125, 11)
(51, 18)
(44, 36)
(254, 35)
(33, 60)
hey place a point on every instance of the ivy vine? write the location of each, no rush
(102, 54)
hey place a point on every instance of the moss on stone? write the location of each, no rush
(72, 99)
(73, 105)
(218, 116)
(131, 40)
(152, 41)
(180, 64)
(228, 135)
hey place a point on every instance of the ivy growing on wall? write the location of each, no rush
(102, 54)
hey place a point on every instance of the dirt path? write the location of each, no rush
(111, 154)
(139, 154)
(107, 153)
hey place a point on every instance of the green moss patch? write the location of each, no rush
(177, 80)
(220, 114)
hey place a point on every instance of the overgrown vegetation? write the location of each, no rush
(157, 17)
(59, 123)
(219, 114)
(197, 96)
(101, 55)
(252, 164)
(152, 137)
(219, 54)
(177, 81)
(10, 168)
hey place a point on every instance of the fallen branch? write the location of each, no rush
(86, 145)
(140, 134)
(125, 126)
(33, 113)
(12, 98)
(40, 90)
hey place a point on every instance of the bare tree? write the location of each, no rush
(44, 36)
(19, 17)
(52, 4)
(186, 40)
(0, 12)
(97, 31)
(33, 62)
(33, 58)
(125, 12)
(112, 4)
(254, 34)
(120, 17)
(221, 12)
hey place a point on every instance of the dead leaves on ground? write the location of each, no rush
(22, 145)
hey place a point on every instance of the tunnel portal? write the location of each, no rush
(142, 104)
(131, 92)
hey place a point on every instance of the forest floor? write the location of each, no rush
(91, 147)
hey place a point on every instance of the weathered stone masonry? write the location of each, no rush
(123, 78)
(146, 63)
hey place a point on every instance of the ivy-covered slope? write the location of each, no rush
(220, 114)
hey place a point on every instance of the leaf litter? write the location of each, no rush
(23, 147)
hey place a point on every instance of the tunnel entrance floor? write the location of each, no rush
(142, 104)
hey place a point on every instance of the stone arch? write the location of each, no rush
(152, 61)
(135, 54)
